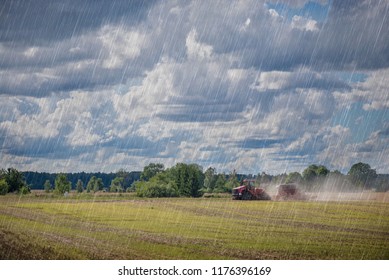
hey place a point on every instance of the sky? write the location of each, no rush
(252, 86)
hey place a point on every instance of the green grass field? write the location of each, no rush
(126, 227)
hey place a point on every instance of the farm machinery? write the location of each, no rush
(289, 192)
(248, 191)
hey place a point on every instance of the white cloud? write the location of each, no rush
(195, 49)
(30, 52)
(374, 91)
(305, 24)
(274, 13)
(342, 154)
(120, 44)
(273, 80)
(293, 113)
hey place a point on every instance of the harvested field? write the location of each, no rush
(125, 227)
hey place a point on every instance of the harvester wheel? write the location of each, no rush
(247, 196)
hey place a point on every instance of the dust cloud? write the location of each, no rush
(332, 189)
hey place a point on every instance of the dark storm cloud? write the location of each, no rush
(196, 117)
(39, 22)
(56, 148)
(356, 35)
(40, 147)
(62, 45)
(35, 146)
(253, 143)
(63, 78)
(59, 46)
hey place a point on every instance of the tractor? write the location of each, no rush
(289, 192)
(248, 191)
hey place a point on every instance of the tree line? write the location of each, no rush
(360, 177)
(36, 180)
(15, 181)
(185, 180)
(190, 180)
(121, 181)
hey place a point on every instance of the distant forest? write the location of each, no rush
(36, 180)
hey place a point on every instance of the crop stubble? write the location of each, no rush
(79, 227)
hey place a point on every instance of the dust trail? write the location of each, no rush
(349, 196)
(331, 189)
(338, 189)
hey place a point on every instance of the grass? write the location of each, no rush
(126, 227)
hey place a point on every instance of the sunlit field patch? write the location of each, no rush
(126, 227)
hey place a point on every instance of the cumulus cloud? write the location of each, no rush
(195, 49)
(372, 92)
(378, 84)
(372, 150)
(304, 24)
(299, 78)
(121, 45)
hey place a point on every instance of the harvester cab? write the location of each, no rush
(248, 191)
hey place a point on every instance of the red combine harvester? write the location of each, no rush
(249, 192)
(289, 192)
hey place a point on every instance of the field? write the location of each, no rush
(40, 226)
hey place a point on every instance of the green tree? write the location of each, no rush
(24, 190)
(309, 174)
(14, 179)
(313, 172)
(47, 186)
(62, 184)
(220, 185)
(116, 185)
(3, 187)
(99, 185)
(151, 170)
(126, 178)
(79, 186)
(294, 177)
(322, 171)
(161, 185)
(362, 175)
(188, 178)
(232, 182)
(91, 184)
(95, 184)
(209, 179)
